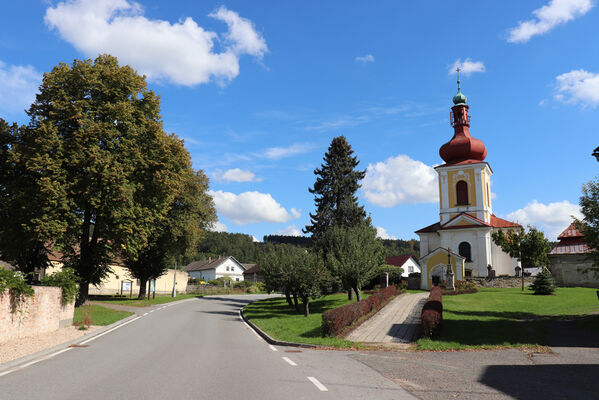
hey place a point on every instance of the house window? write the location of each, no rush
(237, 279)
(410, 269)
(465, 251)
(227, 268)
(461, 189)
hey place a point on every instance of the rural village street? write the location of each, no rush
(195, 349)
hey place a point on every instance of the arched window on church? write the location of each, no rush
(461, 189)
(465, 251)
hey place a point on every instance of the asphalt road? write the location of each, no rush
(197, 349)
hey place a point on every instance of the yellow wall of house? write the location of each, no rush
(440, 259)
(483, 182)
(451, 175)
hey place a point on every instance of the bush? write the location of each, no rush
(432, 313)
(195, 281)
(461, 287)
(14, 282)
(66, 280)
(335, 321)
(543, 283)
(414, 275)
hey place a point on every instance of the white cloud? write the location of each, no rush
(219, 227)
(555, 13)
(551, 218)
(368, 58)
(275, 153)
(467, 67)
(235, 175)
(249, 207)
(383, 234)
(18, 85)
(181, 52)
(291, 230)
(400, 180)
(578, 86)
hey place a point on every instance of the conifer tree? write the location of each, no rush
(543, 283)
(337, 182)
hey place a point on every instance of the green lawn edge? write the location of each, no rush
(98, 315)
(134, 302)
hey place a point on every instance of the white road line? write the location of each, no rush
(273, 348)
(152, 311)
(248, 325)
(289, 361)
(144, 314)
(319, 385)
(110, 330)
(36, 361)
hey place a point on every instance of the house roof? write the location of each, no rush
(398, 261)
(494, 222)
(251, 269)
(438, 249)
(210, 263)
(571, 241)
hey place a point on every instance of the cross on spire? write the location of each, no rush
(458, 71)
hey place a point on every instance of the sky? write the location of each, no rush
(258, 89)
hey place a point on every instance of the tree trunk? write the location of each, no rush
(350, 294)
(142, 288)
(288, 298)
(83, 294)
(306, 301)
(295, 302)
(358, 293)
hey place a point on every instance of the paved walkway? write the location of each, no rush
(397, 322)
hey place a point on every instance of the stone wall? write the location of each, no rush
(38, 314)
(501, 282)
(567, 270)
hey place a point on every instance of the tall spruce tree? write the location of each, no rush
(337, 182)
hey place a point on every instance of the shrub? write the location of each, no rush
(414, 275)
(14, 281)
(543, 283)
(66, 280)
(461, 287)
(195, 281)
(432, 313)
(335, 321)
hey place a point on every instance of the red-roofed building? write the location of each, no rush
(462, 237)
(404, 261)
(568, 260)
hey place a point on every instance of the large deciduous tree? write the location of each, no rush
(97, 139)
(355, 255)
(589, 226)
(337, 182)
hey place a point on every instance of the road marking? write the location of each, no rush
(319, 385)
(152, 311)
(110, 330)
(273, 348)
(289, 361)
(248, 325)
(35, 361)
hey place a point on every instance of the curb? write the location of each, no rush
(23, 360)
(270, 340)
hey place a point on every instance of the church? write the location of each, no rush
(462, 237)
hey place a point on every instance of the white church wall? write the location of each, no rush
(502, 263)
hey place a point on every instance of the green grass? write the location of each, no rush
(495, 318)
(275, 317)
(98, 315)
(133, 301)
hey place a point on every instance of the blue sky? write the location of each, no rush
(258, 89)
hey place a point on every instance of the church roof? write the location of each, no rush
(571, 241)
(495, 222)
(570, 232)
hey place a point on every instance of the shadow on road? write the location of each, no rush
(550, 381)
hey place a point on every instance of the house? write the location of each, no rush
(569, 258)
(462, 235)
(252, 273)
(214, 268)
(406, 262)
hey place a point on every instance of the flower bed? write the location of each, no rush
(336, 321)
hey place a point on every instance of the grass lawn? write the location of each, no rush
(98, 315)
(506, 317)
(275, 317)
(133, 301)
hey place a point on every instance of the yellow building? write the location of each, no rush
(466, 219)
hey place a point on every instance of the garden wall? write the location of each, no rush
(38, 314)
(501, 281)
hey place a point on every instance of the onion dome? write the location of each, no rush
(459, 98)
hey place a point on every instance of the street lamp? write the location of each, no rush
(596, 153)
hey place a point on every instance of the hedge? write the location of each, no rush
(432, 313)
(335, 321)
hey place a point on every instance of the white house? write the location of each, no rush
(406, 262)
(216, 268)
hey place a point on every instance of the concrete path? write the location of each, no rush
(397, 322)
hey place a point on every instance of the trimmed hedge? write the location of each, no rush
(461, 287)
(432, 313)
(335, 321)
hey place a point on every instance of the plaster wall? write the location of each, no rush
(566, 268)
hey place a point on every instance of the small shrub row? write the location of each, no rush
(461, 287)
(432, 313)
(335, 321)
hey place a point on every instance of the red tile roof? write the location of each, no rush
(429, 229)
(398, 260)
(204, 264)
(570, 232)
(571, 241)
(497, 222)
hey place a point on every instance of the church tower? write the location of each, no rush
(462, 237)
